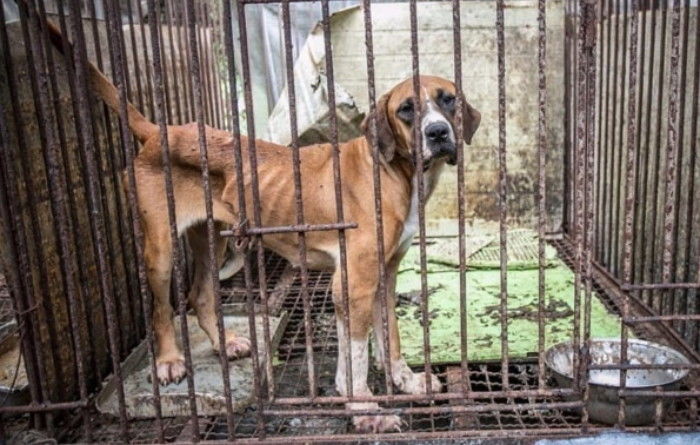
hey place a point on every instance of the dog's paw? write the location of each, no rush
(237, 347)
(170, 369)
(377, 424)
(410, 382)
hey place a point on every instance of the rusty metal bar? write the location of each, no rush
(622, 366)
(120, 80)
(73, 304)
(461, 198)
(289, 229)
(176, 254)
(641, 268)
(471, 395)
(660, 286)
(590, 24)
(155, 25)
(134, 54)
(299, 205)
(255, 189)
(541, 196)
(670, 317)
(149, 78)
(579, 169)
(502, 188)
(682, 262)
(420, 185)
(657, 220)
(45, 316)
(630, 188)
(240, 186)
(382, 293)
(104, 271)
(173, 61)
(691, 306)
(672, 142)
(490, 407)
(44, 407)
(19, 274)
(340, 214)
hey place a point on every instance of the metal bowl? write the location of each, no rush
(603, 402)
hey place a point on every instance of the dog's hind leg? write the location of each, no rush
(170, 363)
(201, 294)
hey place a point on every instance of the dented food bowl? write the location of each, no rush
(603, 403)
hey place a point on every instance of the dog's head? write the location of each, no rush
(437, 105)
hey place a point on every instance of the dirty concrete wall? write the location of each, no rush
(391, 30)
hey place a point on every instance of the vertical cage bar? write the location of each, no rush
(104, 271)
(681, 261)
(308, 328)
(630, 196)
(579, 169)
(38, 80)
(644, 227)
(672, 141)
(120, 80)
(340, 214)
(73, 303)
(590, 23)
(657, 240)
(149, 78)
(238, 164)
(14, 234)
(255, 189)
(615, 262)
(691, 307)
(155, 25)
(502, 188)
(420, 185)
(461, 198)
(175, 59)
(134, 52)
(541, 183)
(637, 260)
(382, 293)
(212, 235)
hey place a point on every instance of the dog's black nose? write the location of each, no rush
(437, 132)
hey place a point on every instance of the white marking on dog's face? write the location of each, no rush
(433, 115)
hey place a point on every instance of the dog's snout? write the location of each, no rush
(437, 132)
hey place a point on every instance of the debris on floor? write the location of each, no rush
(483, 303)
(208, 383)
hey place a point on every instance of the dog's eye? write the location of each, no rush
(448, 100)
(406, 108)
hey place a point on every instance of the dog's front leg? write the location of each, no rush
(402, 376)
(361, 295)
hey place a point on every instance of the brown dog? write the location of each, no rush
(394, 113)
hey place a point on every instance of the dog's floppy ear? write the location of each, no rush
(471, 118)
(385, 135)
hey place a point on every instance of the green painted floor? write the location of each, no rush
(482, 298)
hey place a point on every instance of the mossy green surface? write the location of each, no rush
(483, 312)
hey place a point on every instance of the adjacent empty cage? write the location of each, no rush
(623, 171)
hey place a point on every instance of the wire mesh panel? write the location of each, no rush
(132, 177)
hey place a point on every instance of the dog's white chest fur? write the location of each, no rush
(410, 225)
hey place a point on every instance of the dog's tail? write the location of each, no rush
(105, 89)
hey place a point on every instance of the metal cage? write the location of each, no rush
(74, 262)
